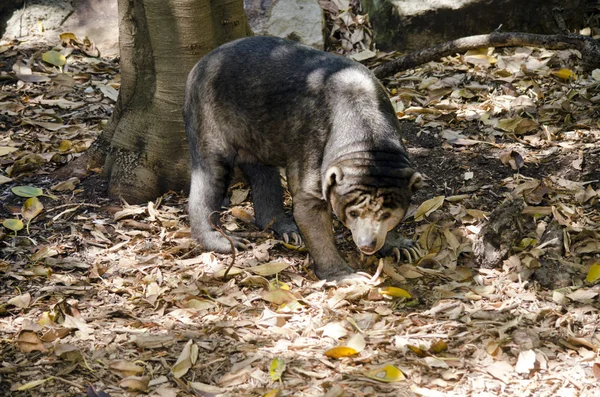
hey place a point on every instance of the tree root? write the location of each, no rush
(589, 48)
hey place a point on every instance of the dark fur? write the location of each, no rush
(264, 103)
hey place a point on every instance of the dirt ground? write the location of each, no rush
(106, 298)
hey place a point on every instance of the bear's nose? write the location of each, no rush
(367, 245)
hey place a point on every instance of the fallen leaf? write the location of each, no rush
(525, 362)
(28, 342)
(269, 269)
(565, 74)
(33, 384)
(340, 352)
(186, 359)
(135, 383)
(54, 58)
(125, 368)
(31, 208)
(278, 296)
(276, 368)
(428, 206)
(21, 301)
(593, 274)
(4, 150)
(387, 373)
(583, 295)
(27, 191)
(13, 224)
(395, 292)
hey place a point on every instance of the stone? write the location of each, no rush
(299, 20)
(96, 19)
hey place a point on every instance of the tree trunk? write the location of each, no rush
(143, 150)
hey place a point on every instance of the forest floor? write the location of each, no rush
(105, 298)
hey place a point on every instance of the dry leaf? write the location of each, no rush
(28, 342)
(269, 269)
(135, 383)
(125, 368)
(21, 301)
(525, 362)
(186, 359)
(428, 206)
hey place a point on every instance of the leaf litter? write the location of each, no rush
(118, 296)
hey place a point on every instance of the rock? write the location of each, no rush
(37, 16)
(299, 20)
(502, 231)
(96, 19)
(418, 24)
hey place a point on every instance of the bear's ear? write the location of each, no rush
(333, 176)
(415, 182)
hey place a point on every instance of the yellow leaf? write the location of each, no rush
(594, 274)
(417, 350)
(427, 207)
(273, 393)
(66, 37)
(388, 373)
(54, 58)
(395, 292)
(276, 284)
(31, 208)
(438, 347)
(45, 320)
(340, 351)
(565, 74)
(276, 368)
(65, 145)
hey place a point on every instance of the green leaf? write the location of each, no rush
(27, 191)
(13, 224)
(276, 368)
(54, 58)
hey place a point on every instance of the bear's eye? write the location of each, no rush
(386, 216)
(353, 214)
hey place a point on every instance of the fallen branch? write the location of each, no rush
(589, 48)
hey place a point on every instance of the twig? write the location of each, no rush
(68, 382)
(220, 230)
(589, 48)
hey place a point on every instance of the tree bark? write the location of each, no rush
(143, 150)
(589, 48)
